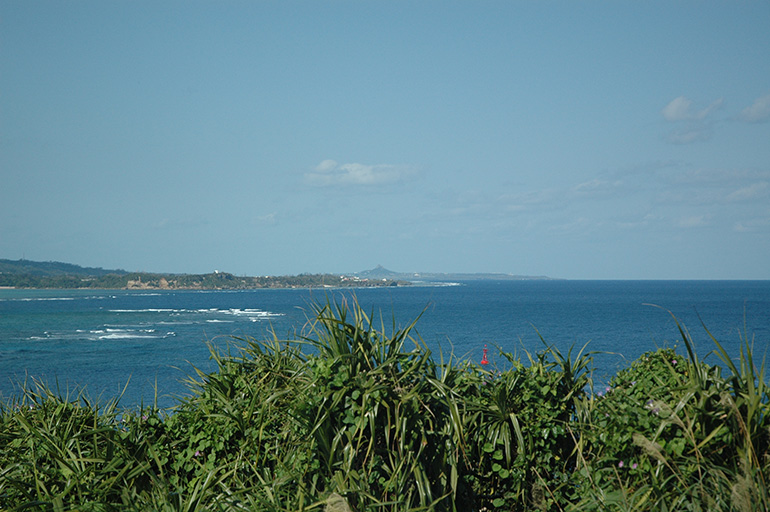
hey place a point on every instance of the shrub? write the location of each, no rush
(670, 432)
(368, 421)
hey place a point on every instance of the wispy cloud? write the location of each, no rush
(668, 197)
(712, 187)
(268, 219)
(758, 111)
(693, 221)
(331, 173)
(724, 176)
(597, 187)
(689, 135)
(752, 225)
(695, 123)
(697, 126)
(678, 109)
(576, 225)
(751, 192)
(682, 109)
(634, 221)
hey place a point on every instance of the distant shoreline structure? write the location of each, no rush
(380, 272)
(26, 274)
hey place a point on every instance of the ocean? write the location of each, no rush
(148, 342)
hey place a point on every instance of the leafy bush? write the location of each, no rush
(367, 421)
(671, 432)
(520, 442)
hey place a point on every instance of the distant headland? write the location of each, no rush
(57, 275)
(380, 272)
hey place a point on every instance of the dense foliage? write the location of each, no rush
(51, 268)
(350, 417)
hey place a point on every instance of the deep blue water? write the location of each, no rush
(104, 339)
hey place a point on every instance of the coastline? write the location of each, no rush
(212, 281)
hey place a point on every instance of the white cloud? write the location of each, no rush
(741, 228)
(759, 111)
(678, 109)
(696, 125)
(331, 173)
(752, 225)
(715, 105)
(635, 221)
(681, 109)
(693, 221)
(326, 166)
(753, 191)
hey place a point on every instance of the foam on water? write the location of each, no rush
(232, 311)
(104, 339)
(48, 299)
(34, 299)
(103, 334)
(149, 310)
(146, 334)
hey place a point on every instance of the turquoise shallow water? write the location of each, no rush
(105, 339)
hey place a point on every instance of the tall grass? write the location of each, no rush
(673, 433)
(367, 420)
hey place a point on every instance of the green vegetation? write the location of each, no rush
(51, 268)
(213, 281)
(365, 419)
(56, 275)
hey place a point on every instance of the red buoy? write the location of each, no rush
(484, 359)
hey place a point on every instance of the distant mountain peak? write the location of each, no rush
(378, 272)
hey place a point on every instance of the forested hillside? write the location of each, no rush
(51, 268)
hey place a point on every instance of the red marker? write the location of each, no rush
(484, 359)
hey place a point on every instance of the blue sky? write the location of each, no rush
(584, 140)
